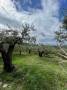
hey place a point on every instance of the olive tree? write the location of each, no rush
(61, 35)
(8, 40)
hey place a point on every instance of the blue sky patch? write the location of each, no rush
(27, 5)
(63, 9)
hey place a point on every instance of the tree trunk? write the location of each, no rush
(63, 51)
(29, 51)
(40, 53)
(7, 59)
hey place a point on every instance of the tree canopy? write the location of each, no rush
(8, 40)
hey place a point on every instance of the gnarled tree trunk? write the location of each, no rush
(7, 59)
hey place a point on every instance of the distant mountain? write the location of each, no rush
(27, 5)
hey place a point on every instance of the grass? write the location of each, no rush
(35, 73)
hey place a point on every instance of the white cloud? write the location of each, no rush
(45, 20)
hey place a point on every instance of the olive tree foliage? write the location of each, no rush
(8, 40)
(61, 35)
(27, 37)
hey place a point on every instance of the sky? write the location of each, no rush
(45, 15)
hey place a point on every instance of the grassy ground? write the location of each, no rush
(35, 73)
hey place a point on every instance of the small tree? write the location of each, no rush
(8, 40)
(32, 42)
(61, 35)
